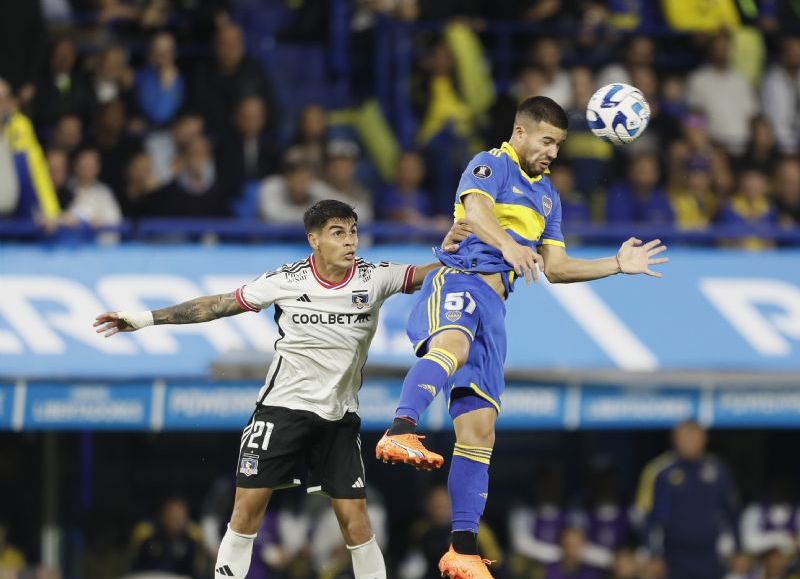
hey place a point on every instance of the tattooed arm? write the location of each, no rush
(203, 309)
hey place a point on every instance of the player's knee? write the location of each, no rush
(357, 530)
(247, 514)
(477, 434)
(455, 342)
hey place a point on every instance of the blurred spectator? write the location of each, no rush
(625, 565)
(248, 152)
(535, 529)
(311, 138)
(58, 167)
(644, 78)
(340, 175)
(11, 558)
(113, 78)
(694, 129)
(776, 564)
(589, 156)
(741, 567)
(29, 193)
(700, 16)
(787, 191)
(140, 183)
(93, 203)
(195, 190)
(693, 201)
(722, 177)
(228, 78)
(780, 95)
(729, 117)
(166, 147)
(672, 105)
(762, 151)
(772, 523)
(114, 143)
(62, 89)
(574, 207)
(638, 52)
(528, 82)
(22, 47)
(571, 563)
(606, 522)
(546, 56)
(404, 201)
(640, 199)
(750, 207)
(285, 197)
(171, 544)
(687, 501)
(430, 537)
(68, 134)
(160, 86)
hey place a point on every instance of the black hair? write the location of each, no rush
(321, 212)
(543, 109)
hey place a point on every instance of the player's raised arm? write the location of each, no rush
(478, 209)
(633, 257)
(202, 309)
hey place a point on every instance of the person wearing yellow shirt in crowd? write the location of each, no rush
(750, 207)
(692, 198)
(11, 558)
(29, 193)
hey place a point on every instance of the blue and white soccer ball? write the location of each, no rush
(618, 113)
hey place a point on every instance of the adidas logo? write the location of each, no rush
(484, 496)
(515, 189)
(303, 298)
(359, 484)
(428, 388)
(225, 571)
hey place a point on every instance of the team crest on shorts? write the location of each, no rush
(482, 171)
(249, 465)
(547, 205)
(360, 298)
(453, 316)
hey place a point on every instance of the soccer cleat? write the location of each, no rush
(458, 566)
(407, 449)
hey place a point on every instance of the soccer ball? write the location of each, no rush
(618, 113)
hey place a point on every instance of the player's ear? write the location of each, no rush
(313, 240)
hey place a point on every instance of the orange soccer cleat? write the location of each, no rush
(407, 449)
(457, 566)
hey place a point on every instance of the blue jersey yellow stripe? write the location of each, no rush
(528, 208)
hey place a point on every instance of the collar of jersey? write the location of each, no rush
(509, 150)
(331, 284)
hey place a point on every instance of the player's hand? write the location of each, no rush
(633, 257)
(111, 323)
(458, 233)
(525, 261)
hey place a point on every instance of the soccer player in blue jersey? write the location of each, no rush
(457, 324)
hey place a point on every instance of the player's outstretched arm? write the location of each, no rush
(633, 257)
(202, 309)
(524, 260)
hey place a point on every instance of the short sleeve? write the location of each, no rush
(485, 175)
(391, 278)
(259, 293)
(552, 229)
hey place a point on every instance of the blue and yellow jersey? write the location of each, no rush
(528, 208)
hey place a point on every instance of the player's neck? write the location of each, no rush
(328, 271)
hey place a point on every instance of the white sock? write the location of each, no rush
(233, 557)
(368, 560)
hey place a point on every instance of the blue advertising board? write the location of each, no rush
(713, 310)
(6, 406)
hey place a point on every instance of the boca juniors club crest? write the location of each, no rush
(547, 205)
(360, 298)
(249, 465)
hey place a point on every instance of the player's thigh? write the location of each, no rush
(476, 427)
(336, 467)
(273, 448)
(249, 507)
(353, 520)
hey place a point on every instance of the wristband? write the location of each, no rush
(137, 320)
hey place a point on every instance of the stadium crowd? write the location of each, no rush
(112, 109)
(685, 514)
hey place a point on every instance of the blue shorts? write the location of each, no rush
(457, 300)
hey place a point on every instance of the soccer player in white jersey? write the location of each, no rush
(305, 421)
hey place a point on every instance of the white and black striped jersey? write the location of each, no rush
(325, 331)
